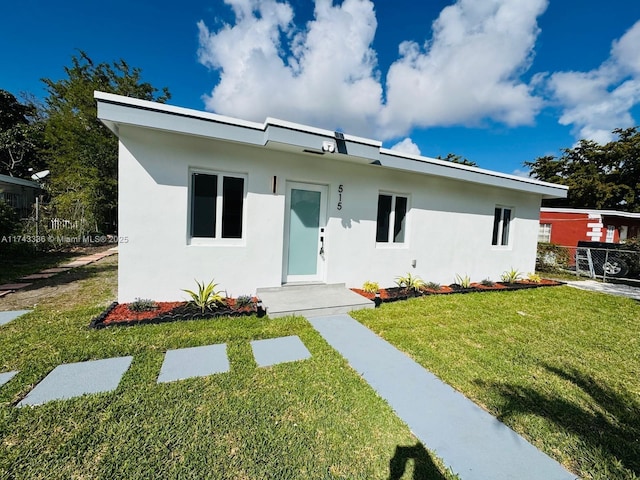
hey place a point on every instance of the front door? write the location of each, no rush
(304, 233)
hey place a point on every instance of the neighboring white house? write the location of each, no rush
(203, 196)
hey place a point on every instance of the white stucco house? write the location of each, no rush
(250, 205)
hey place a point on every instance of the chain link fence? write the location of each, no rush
(605, 261)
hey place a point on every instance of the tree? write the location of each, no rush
(21, 136)
(83, 152)
(598, 176)
(451, 157)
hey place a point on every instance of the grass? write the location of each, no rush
(560, 366)
(310, 419)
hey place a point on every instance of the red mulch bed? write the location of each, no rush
(120, 314)
(496, 286)
(392, 294)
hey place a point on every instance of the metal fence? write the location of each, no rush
(615, 262)
(607, 263)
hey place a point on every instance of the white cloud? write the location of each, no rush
(325, 74)
(518, 172)
(406, 146)
(469, 70)
(598, 101)
(328, 79)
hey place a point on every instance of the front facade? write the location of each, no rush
(253, 205)
(568, 226)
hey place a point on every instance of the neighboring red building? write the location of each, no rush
(568, 226)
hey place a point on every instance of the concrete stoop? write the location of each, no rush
(311, 300)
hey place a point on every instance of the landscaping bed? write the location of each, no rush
(393, 294)
(125, 314)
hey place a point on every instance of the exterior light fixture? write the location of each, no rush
(328, 147)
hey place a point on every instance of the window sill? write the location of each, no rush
(216, 242)
(391, 246)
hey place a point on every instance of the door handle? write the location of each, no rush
(321, 245)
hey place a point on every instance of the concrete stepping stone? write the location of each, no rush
(279, 350)
(75, 379)
(194, 362)
(14, 286)
(5, 377)
(6, 317)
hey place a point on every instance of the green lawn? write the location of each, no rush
(560, 366)
(310, 419)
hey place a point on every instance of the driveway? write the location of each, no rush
(610, 288)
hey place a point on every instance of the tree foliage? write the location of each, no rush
(452, 157)
(598, 176)
(83, 152)
(21, 136)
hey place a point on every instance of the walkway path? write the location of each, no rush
(27, 280)
(610, 288)
(474, 444)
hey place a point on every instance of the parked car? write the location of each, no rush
(615, 260)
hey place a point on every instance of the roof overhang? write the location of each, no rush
(19, 181)
(116, 110)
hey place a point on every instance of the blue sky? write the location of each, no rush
(499, 82)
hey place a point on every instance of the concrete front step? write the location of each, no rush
(311, 300)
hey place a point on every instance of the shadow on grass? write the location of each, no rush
(73, 275)
(611, 423)
(423, 466)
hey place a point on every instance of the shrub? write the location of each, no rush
(244, 301)
(9, 220)
(464, 282)
(433, 286)
(142, 305)
(410, 282)
(534, 277)
(370, 287)
(511, 276)
(550, 257)
(206, 297)
(487, 282)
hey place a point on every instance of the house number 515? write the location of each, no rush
(340, 190)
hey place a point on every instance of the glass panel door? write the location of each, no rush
(305, 219)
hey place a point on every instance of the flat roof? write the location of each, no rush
(116, 110)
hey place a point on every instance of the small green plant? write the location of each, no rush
(410, 282)
(370, 287)
(488, 282)
(511, 276)
(464, 282)
(206, 297)
(244, 301)
(142, 305)
(433, 286)
(534, 277)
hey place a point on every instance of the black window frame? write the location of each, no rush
(502, 220)
(217, 205)
(391, 218)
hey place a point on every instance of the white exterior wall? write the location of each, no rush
(449, 224)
